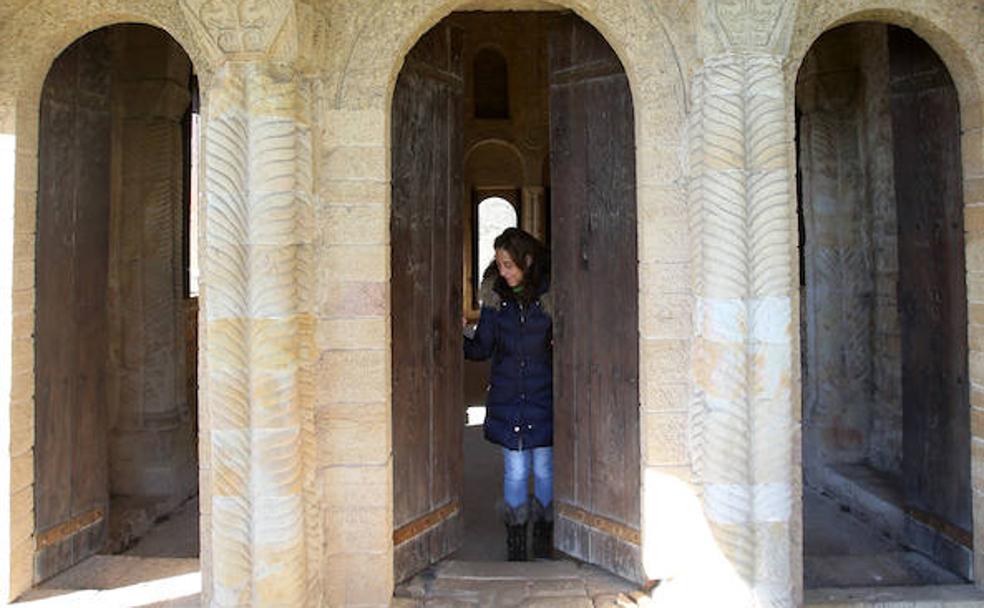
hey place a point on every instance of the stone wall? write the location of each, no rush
(852, 407)
(295, 456)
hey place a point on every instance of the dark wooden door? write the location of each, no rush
(425, 231)
(932, 291)
(595, 287)
(71, 492)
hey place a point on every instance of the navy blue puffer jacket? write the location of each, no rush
(519, 406)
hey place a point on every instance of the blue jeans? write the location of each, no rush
(516, 472)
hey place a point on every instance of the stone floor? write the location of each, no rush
(540, 584)
(477, 573)
(840, 551)
(160, 571)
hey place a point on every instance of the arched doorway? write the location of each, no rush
(588, 126)
(116, 447)
(886, 433)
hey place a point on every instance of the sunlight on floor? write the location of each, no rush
(475, 415)
(171, 589)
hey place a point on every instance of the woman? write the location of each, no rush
(515, 330)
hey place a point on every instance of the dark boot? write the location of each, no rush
(516, 543)
(542, 530)
(515, 520)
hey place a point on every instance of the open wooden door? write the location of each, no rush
(426, 237)
(932, 288)
(595, 287)
(71, 491)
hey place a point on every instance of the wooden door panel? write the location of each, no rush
(932, 292)
(427, 198)
(72, 491)
(596, 368)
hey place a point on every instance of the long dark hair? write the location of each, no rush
(521, 245)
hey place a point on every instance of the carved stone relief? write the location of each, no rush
(238, 26)
(759, 25)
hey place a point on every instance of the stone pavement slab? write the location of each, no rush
(940, 596)
(539, 584)
(110, 581)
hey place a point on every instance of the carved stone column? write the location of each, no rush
(261, 533)
(744, 221)
(256, 325)
(534, 211)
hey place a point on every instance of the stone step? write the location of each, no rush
(535, 570)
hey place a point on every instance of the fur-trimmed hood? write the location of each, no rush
(493, 290)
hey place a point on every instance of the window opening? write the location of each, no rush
(491, 85)
(495, 214)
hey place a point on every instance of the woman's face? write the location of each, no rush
(508, 269)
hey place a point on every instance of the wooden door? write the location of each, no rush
(932, 292)
(71, 493)
(425, 232)
(595, 287)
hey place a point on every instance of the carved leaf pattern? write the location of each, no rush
(719, 116)
(225, 275)
(740, 219)
(258, 178)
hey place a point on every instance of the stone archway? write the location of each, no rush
(355, 183)
(595, 329)
(115, 440)
(885, 400)
(25, 68)
(944, 32)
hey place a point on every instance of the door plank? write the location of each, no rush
(932, 289)
(427, 199)
(596, 400)
(71, 473)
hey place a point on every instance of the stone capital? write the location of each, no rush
(238, 29)
(746, 26)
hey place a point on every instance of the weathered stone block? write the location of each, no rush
(977, 423)
(665, 277)
(972, 149)
(353, 434)
(22, 515)
(354, 128)
(356, 163)
(666, 360)
(22, 425)
(348, 299)
(664, 241)
(346, 582)
(353, 376)
(353, 225)
(352, 334)
(356, 487)
(657, 396)
(665, 436)
(357, 529)
(355, 263)
(665, 316)
(21, 470)
(337, 191)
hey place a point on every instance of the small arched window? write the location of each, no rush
(491, 85)
(495, 214)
